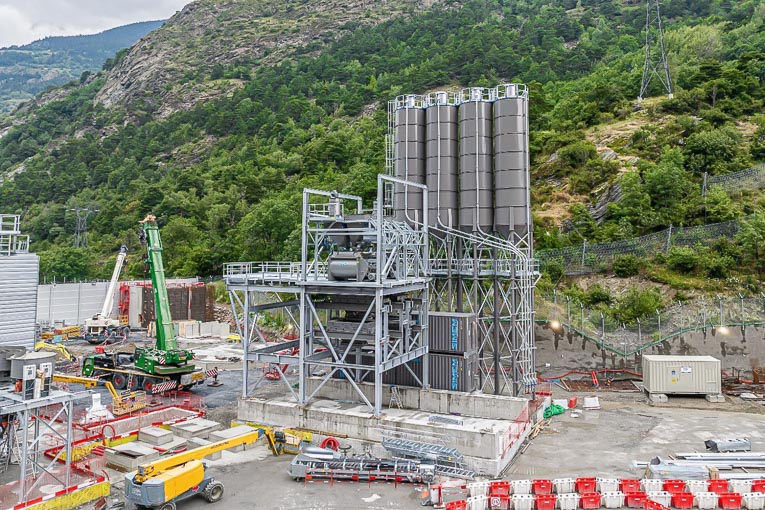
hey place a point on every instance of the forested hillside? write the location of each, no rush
(31, 68)
(222, 155)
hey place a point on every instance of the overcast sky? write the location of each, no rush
(23, 21)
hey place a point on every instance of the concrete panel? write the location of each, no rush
(198, 427)
(72, 303)
(155, 435)
(222, 435)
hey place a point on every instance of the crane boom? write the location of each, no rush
(147, 471)
(165, 331)
(106, 310)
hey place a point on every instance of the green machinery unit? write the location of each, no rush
(165, 358)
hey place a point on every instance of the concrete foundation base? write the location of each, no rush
(715, 398)
(155, 435)
(198, 427)
(487, 444)
(658, 398)
(128, 456)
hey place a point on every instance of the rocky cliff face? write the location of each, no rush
(178, 66)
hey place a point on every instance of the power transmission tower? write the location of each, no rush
(81, 235)
(655, 55)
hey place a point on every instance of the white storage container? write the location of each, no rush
(696, 486)
(477, 503)
(478, 488)
(613, 499)
(660, 497)
(740, 486)
(706, 500)
(682, 374)
(568, 501)
(523, 501)
(651, 484)
(563, 485)
(607, 484)
(754, 500)
(521, 486)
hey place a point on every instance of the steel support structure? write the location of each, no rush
(354, 327)
(30, 423)
(489, 274)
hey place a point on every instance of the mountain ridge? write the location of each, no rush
(26, 70)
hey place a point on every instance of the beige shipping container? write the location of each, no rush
(682, 374)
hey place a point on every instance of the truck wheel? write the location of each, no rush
(213, 492)
(167, 506)
(119, 381)
(146, 385)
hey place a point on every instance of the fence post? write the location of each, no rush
(669, 238)
(681, 315)
(704, 186)
(584, 251)
(658, 316)
(640, 334)
(568, 310)
(719, 300)
(743, 317)
(602, 327)
(581, 305)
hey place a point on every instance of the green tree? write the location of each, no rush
(719, 206)
(751, 235)
(670, 189)
(715, 151)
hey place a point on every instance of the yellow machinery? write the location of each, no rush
(58, 348)
(122, 403)
(162, 483)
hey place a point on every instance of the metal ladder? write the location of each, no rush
(395, 398)
(420, 450)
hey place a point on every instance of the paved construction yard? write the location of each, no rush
(602, 442)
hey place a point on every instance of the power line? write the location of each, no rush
(81, 234)
(655, 54)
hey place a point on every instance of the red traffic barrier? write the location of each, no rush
(585, 485)
(542, 486)
(628, 485)
(758, 486)
(718, 486)
(682, 500)
(653, 505)
(499, 488)
(460, 504)
(635, 499)
(674, 486)
(589, 500)
(730, 500)
(545, 501)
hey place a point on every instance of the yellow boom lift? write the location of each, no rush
(122, 403)
(162, 483)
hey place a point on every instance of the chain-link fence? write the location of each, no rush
(749, 179)
(596, 257)
(560, 311)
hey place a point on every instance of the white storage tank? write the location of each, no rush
(682, 374)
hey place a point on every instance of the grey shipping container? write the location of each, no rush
(452, 332)
(682, 374)
(453, 372)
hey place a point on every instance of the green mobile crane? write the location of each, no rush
(164, 362)
(165, 358)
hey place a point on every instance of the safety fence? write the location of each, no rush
(749, 179)
(561, 312)
(596, 257)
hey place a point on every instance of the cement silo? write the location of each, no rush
(511, 172)
(476, 207)
(442, 163)
(409, 156)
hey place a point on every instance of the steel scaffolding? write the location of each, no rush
(29, 423)
(358, 299)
